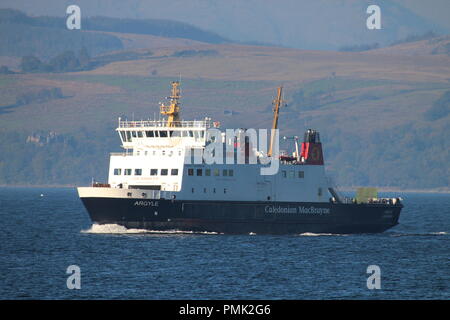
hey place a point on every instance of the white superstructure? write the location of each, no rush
(159, 156)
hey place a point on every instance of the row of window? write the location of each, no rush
(127, 136)
(153, 172)
(209, 172)
(205, 190)
(199, 172)
(163, 153)
(293, 174)
(230, 173)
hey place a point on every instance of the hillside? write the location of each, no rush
(303, 24)
(45, 37)
(372, 109)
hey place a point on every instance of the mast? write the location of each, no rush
(276, 111)
(172, 111)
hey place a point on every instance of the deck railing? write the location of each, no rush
(163, 123)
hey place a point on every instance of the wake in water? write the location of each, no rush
(392, 234)
(311, 234)
(400, 234)
(118, 229)
(112, 229)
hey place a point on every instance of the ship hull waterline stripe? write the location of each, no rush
(237, 217)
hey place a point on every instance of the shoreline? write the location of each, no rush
(342, 189)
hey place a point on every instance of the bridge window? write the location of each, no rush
(230, 173)
(127, 172)
(117, 172)
(225, 172)
(139, 134)
(284, 174)
(133, 134)
(164, 172)
(199, 172)
(163, 134)
(216, 172)
(301, 174)
(156, 134)
(292, 174)
(190, 172)
(153, 172)
(138, 172)
(174, 172)
(128, 136)
(207, 172)
(123, 136)
(149, 134)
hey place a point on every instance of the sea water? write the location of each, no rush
(46, 230)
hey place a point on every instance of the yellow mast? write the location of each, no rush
(172, 111)
(276, 110)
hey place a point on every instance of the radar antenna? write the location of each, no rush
(172, 111)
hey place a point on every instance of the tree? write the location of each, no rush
(440, 108)
(84, 58)
(66, 61)
(5, 70)
(31, 64)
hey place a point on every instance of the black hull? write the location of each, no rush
(243, 217)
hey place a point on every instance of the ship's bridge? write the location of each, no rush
(161, 133)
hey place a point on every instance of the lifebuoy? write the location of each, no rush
(315, 154)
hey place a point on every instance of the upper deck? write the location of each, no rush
(159, 124)
(153, 133)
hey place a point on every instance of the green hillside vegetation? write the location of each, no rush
(383, 116)
(440, 108)
(41, 96)
(46, 37)
(157, 27)
(23, 40)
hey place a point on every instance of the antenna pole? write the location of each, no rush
(276, 111)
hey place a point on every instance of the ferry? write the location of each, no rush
(165, 180)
